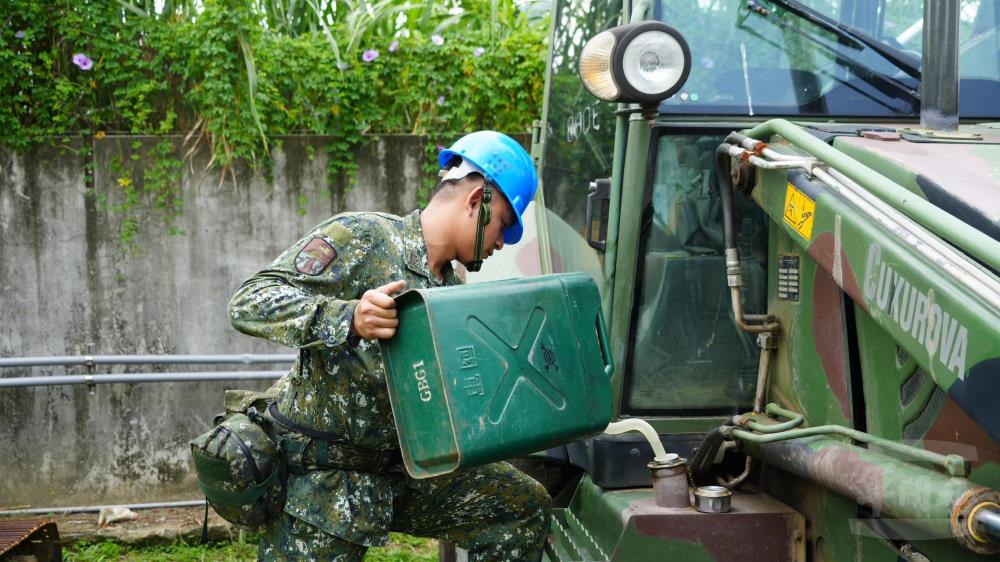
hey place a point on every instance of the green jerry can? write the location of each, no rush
(488, 371)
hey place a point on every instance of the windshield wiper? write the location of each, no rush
(903, 60)
(865, 72)
(869, 77)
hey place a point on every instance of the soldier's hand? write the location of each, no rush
(375, 315)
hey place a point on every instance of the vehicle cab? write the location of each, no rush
(630, 193)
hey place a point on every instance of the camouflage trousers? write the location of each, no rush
(496, 512)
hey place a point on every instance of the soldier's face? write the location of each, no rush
(502, 218)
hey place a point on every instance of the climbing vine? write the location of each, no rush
(233, 76)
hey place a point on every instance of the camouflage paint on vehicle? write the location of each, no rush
(905, 386)
(841, 357)
(628, 526)
(942, 325)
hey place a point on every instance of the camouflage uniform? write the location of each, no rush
(306, 299)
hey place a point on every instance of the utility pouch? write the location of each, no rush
(240, 469)
(315, 449)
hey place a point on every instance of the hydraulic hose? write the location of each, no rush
(726, 190)
(706, 452)
(734, 276)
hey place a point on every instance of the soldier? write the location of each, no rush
(330, 295)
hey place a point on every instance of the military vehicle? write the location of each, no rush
(793, 209)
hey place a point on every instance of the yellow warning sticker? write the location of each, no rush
(800, 211)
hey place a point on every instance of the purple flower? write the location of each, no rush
(20, 34)
(393, 46)
(437, 39)
(369, 55)
(441, 147)
(478, 51)
(83, 61)
(440, 100)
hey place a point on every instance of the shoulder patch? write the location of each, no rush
(315, 256)
(339, 233)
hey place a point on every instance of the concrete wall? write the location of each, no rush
(68, 287)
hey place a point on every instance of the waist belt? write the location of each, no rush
(325, 450)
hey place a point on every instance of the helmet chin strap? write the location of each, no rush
(485, 214)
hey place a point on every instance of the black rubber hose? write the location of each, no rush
(705, 454)
(725, 191)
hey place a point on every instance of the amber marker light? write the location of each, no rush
(595, 67)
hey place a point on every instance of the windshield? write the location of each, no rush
(763, 59)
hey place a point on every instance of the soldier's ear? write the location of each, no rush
(473, 199)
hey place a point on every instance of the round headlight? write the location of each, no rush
(644, 62)
(653, 62)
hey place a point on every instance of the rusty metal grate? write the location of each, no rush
(913, 385)
(922, 424)
(14, 532)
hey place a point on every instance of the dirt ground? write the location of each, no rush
(152, 526)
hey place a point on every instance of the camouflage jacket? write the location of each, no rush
(306, 299)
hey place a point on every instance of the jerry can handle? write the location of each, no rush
(602, 335)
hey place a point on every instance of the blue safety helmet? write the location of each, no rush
(506, 164)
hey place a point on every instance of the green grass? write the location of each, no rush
(402, 548)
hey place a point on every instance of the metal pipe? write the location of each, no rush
(966, 272)
(769, 153)
(954, 464)
(794, 420)
(109, 378)
(96, 508)
(638, 12)
(614, 214)
(766, 343)
(773, 154)
(769, 324)
(730, 484)
(951, 262)
(68, 360)
(939, 80)
(771, 163)
(976, 243)
(923, 241)
(806, 163)
(987, 522)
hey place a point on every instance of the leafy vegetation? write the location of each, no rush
(402, 548)
(232, 75)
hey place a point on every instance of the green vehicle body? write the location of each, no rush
(882, 438)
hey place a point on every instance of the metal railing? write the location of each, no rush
(91, 379)
(96, 508)
(90, 360)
